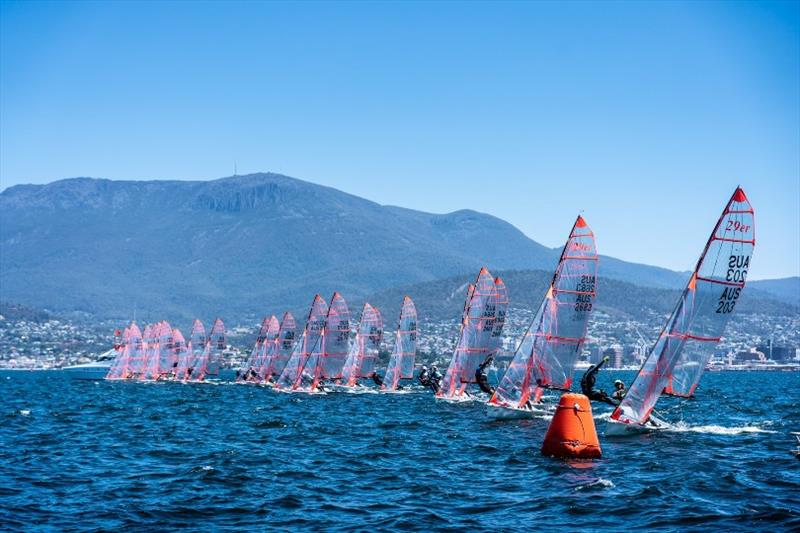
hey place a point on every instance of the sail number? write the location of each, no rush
(737, 268)
(585, 288)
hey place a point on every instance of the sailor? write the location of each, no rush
(424, 377)
(377, 379)
(435, 381)
(482, 378)
(587, 384)
(238, 376)
(619, 391)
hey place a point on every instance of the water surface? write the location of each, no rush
(85, 455)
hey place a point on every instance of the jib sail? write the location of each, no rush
(678, 358)
(549, 350)
(401, 362)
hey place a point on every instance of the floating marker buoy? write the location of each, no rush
(572, 433)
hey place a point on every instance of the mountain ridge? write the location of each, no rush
(230, 245)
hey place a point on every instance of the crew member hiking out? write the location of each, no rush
(587, 385)
(482, 378)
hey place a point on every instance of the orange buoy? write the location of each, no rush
(572, 433)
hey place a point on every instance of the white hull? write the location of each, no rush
(621, 429)
(500, 412)
(87, 371)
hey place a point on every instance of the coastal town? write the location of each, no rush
(38, 340)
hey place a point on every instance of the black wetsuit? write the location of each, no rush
(435, 381)
(587, 385)
(377, 379)
(482, 378)
(424, 378)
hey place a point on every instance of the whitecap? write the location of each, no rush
(599, 483)
(717, 430)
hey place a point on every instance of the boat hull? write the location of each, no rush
(86, 372)
(615, 428)
(501, 412)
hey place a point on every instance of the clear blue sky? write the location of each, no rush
(645, 115)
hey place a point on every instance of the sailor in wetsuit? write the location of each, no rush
(424, 377)
(435, 381)
(619, 391)
(482, 378)
(377, 379)
(587, 385)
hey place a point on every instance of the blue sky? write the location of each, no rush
(644, 115)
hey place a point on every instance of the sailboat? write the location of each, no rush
(475, 338)
(195, 353)
(253, 362)
(119, 367)
(216, 345)
(548, 352)
(676, 361)
(180, 349)
(279, 351)
(401, 362)
(327, 358)
(292, 375)
(364, 350)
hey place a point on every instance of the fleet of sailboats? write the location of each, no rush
(328, 356)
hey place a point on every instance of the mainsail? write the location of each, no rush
(679, 356)
(478, 321)
(335, 342)
(282, 349)
(119, 367)
(216, 345)
(195, 360)
(257, 353)
(180, 350)
(548, 352)
(290, 378)
(401, 363)
(360, 361)
(266, 350)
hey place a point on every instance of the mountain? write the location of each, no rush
(444, 299)
(241, 245)
(784, 289)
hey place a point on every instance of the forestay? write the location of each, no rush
(401, 362)
(360, 361)
(548, 352)
(683, 348)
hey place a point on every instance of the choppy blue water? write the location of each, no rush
(84, 455)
